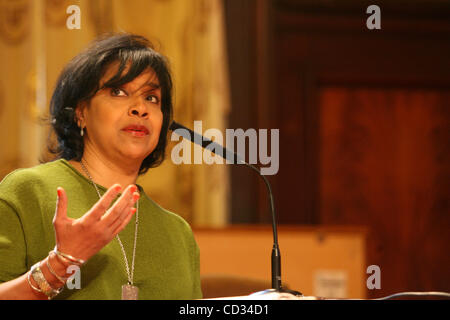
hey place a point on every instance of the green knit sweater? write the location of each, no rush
(167, 256)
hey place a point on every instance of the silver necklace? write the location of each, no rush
(129, 291)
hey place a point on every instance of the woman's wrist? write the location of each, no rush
(49, 276)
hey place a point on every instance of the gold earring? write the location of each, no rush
(82, 131)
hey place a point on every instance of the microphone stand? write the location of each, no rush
(227, 154)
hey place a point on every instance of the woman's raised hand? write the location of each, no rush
(84, 237)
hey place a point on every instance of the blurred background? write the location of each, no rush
(364, 120)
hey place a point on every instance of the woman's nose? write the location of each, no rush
(138, 110)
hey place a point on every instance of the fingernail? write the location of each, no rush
(58, 191)
(118, 188)
(136, 197)
(133, 210)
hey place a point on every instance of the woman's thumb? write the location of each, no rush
(61, 206)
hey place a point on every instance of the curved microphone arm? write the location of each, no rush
(237, 159)
(276, 256)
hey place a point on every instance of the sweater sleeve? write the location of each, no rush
(12, 244)
(197, 294)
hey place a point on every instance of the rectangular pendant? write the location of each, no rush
(129, 292)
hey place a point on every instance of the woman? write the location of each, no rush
(110, 110)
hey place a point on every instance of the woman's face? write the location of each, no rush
(123, 124)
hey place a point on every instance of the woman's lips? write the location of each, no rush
(136, 130)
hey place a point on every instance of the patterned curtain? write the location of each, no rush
(35, 44)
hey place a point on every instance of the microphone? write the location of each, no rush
(237, 159)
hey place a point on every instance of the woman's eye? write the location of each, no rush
(153, 99)
(117, 92)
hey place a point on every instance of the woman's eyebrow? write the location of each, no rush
(153, 85)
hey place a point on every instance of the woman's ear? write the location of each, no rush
(79, 114)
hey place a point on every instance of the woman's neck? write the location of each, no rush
(105, 172)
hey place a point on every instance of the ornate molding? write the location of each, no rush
(15, 19)
(55, 12)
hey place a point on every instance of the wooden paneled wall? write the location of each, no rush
(382, 165)
(364, 119)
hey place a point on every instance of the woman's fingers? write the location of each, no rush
(122, 211)
(99, 209)
(125, 202)
(121, 223)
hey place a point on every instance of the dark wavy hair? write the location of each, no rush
(80, 80)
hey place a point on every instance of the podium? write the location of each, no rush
(317, 261)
